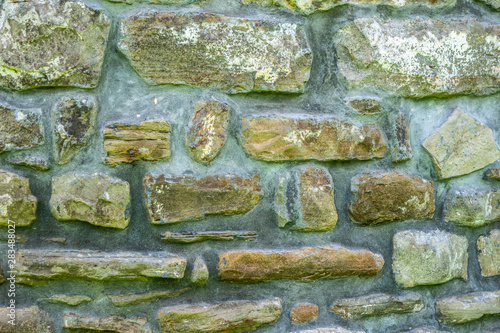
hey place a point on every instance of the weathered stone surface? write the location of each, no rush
(2, 277)
(72, 300)
(366, 106)
(420, 57)
(132, 299)
(206, 50)
(426, 258)
(199, 274)
(184, 198)
(40, 266)
(159, 2)
(207, 130)
(98, 199)
(488, 248)
(281, 201)
(305, 264)
(390, 196)
(303, 313)
(111, 324)
(401, 144)
(495, 4)
(60, 240)
(493, 174)
(472, 209)
(73, 121)
(19, 129)
(425, 330)
(461, 145)
(17, 204)
(51, 43)
(226, 317)
(462, 309)
(147, 141)
(330, 330)
(27, 320)
(378, 304)
(277, 138)
(36, 162)
(201, 236)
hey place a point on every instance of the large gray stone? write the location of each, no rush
(20, 129)
(472, 208)
(17, 204)
(466, 308)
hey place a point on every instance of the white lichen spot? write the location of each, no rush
(299, 136)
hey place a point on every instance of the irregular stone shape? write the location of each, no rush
(303, 313)
(461, 145)
(147, 141)
(488, 248)
(495, 4)
(330, 330)
(19, 237)
(132, 299)
(98, 199)
(36, 162)
(366, 106)
(201, 236)
(26, 320)
(472, 209)
(493, 174)
(111, 324)
(277, 138)
(72, 300)
(17, 204)
(426, 258)
(207, 50)
(426, 330)
(401, 147)
(378, 304)
(207, 130)
(390, 196)
(199, 274)
(280, 202)
(225, 317)
(417, 58)
(305, 264)
(73, 121)
(40, 266)
(19, 129)
(462, 309)
(175, 199)
(2, 277)
(162, 2)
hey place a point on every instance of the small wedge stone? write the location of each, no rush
(199, 274)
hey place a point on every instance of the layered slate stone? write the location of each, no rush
(133, 299)
(39, 162)
(41, 266)
(27, 320)
(147, 141)
(427, 258)
(379, 197)
(336, 329)
(401, 144)
(20, 129)
(463, 309)
(225, 317)
(207, 130)
(17, 204)
(199, 274)
(461, 145)
(73, 121)
(201, 236)
(378, 304)
(471, 208)
(304, 264)
(488, 248)
(51, 43)
(112, 324)
(206, 50)
(72, 300)
(172, 199)
(98, 199)
(416, 58)
(277, 138)
(303, 313)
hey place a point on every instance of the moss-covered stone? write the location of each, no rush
(303, 313)
(488, 248)
(20, 129)
(133, 299)
(72, 300)
(281, 201)
(112, 324)
(27, 320)
(201, 236)
(472, 208)
(199, 274)
(17, 204)
(466, 308)
(39, 162)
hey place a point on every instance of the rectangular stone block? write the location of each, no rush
(466, 308)
(26, 320)
(472, 208)
(488, 248)
(20, 129)
(112, 324)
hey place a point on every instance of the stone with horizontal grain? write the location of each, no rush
(466, 308)
(111, 324)
(303, 313)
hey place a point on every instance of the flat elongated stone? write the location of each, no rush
(281, 201)
(17, 204)
(305, 264)
(147, 141)
(366, 106)
(462, 309)
(48, 43)
(472, 209)
(401, 146)
(277, 138)
(2, 277)
(378, 304)
(38, 162)
(40, 266)
(132, 299)
(461, 145)
(206, 50)
(303, 313)
(330, 330)
(199, 274)
(201, 236)
(98, 199)
(72, 300)
(111, 324)
(19, 129)
(426, 258)
(488, 248)
(390, 196)
(226, 317)
(175, 199)
(425, 330)
(417, 58)
(27, 320)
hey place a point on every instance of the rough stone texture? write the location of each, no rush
(472, 209)
(19, 129)
(28, 320)
(40, 266)
(226, 317)
(390, 196)
(132, 299)
(366, 106)
(111, 324)
(305, 264)
(2, 277)
(495, 4)
(378, 304)
(147, 141)
(48, 43)
(73, 121)
(199, 274)
(426, 330)
(283, 216)
(16, 201)
(330, 330)
(421, 57)
(488, 248)
(159, 2)
(201, 236)
(36, 162)
(462, 309)
(206, 50)
(207, 130)
(175, 199)
(72, 300)
(426, 258)
(461, 145)
(98, 199)
(401, 146)
(493, 174)
(277, 138)
(303, 313)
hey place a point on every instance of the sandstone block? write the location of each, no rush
(303, 313)
(132, 299)
(111, 324)
(17, 204)
(463, 309)
(19, 129)
(488, 248)
(28, 320)
(72, 300)
(472, 209)
(199, 274)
